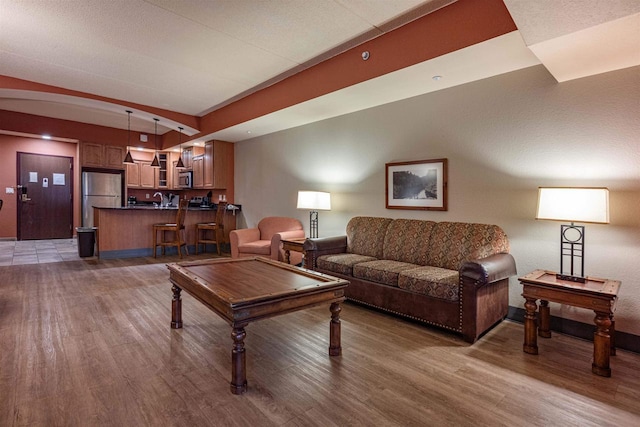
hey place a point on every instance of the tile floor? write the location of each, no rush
(38, 251)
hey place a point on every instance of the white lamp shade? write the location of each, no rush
(573, 204)
(314, 200)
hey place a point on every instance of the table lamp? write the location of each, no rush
(575, 205)
(315, 201)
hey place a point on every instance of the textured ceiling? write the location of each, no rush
(195, 56)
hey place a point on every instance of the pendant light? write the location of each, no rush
(128, 159)
(180, 164)
(156, 162)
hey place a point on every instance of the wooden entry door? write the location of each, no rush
(45, 199)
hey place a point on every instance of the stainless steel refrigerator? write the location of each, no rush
(103, 190)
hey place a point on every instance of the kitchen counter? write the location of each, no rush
(126, 232)
(164, 208)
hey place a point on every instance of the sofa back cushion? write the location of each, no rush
(407, 240)
(452, 243)
(365, 235)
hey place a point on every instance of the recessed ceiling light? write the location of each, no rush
(436, 78)
(248, 131)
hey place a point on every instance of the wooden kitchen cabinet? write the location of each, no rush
(102, 156)
(133, 175)
(147, 175)
(218, 164)
(113, 157)
(198, 171)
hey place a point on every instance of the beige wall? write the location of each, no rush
(504, 137)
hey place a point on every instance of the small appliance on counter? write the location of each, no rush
(196, 201)
(132, 200)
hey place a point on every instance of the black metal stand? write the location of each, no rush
(572, 246)
(313, 224)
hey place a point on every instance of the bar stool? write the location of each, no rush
(216, 227)
(177, 228)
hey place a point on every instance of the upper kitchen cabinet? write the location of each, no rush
(189, 153)
(140, 174)
(218, 164)
(102, 156)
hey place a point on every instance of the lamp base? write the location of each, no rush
(570, 278)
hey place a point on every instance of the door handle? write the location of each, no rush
(25, 198)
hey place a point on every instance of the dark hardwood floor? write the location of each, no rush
(86, 343)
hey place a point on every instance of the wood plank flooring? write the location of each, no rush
(86, 343)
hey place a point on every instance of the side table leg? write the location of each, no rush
(335, 348)
(612, 333)
(238, 361)
(176, 308)
(544, 329)
(601, 345)
(530, 340)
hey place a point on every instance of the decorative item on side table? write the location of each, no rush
(574, 205)
(420, 184)
(315, 201)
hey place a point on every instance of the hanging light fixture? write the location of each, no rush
(128, 158)
(180, 164)
(156, 161)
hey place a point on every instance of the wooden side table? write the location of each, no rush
(295, 245)
(599, 295)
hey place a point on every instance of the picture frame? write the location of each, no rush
(419, 184)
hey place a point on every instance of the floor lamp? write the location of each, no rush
(315, 201)
(573, 205)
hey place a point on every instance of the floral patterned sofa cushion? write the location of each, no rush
(365, 235)
(342, 263)
(452, 243)
(407, 240)
(432, 281)
(381, 271)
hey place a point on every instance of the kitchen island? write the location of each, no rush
(127, 232)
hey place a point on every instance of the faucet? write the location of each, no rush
(161, 198)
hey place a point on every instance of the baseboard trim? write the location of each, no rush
(624, 340)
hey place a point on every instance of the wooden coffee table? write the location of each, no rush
(599, 295)
(244, 290)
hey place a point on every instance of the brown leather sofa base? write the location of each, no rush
(483, 302)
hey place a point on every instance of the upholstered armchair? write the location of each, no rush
(264, 240)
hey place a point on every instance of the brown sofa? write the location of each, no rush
(448, 274)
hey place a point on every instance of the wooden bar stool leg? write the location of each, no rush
(155, 240)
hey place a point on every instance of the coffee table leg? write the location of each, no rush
(544, 313)
(176, 308)
(335, 348)
(530, 340)
(601, 345)
(238, 361)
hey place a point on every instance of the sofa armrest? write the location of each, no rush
(241, 236)
(313, 248)
(490, 269)
(276, 251)
(484, 296)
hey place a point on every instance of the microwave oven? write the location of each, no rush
(185, 179)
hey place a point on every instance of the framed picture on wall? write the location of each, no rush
(420, 184)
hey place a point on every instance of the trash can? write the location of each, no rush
(86, 241)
